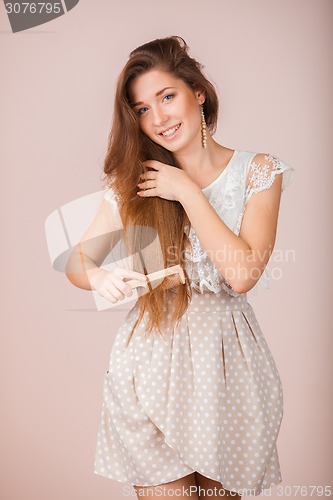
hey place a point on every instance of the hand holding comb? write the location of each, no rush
(159, 275)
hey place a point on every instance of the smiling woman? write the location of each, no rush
(192, 395)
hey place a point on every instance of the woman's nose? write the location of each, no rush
(159, 117)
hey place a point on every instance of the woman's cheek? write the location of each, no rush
(146, 129)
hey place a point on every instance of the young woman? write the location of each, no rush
(192, 397)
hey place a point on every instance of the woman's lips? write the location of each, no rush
(167, 137)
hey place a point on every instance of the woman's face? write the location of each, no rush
(163, 102)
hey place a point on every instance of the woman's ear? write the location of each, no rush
(200, 96)
(199, 93)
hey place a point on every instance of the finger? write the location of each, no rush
(148, 192)
(126, 288)
(149, 175)
(115, 287)
(137, 283)
(129, 273)
(148, 184)
(104, 292)
(153, 164)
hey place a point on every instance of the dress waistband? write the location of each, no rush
(212, 302)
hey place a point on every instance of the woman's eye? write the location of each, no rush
(139, 111)
(169, 95)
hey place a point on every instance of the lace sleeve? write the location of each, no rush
(262, 172)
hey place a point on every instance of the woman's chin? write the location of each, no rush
(172, 147)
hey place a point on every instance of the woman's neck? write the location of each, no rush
(200, 162)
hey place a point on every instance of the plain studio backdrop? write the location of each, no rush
(272, 65)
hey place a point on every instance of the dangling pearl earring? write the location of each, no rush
(203, 128)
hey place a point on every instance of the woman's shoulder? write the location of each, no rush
(262, 168)
(247, 158)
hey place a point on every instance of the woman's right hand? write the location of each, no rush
(111, 284)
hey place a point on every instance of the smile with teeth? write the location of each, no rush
(170, 131)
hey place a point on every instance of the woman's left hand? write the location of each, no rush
(165, 181)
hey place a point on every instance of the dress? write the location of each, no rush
(208, 397)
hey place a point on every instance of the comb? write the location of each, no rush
(159, 275)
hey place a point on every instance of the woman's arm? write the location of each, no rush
(240, 259)
(94, 246)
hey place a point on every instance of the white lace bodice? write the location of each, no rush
(245, 175)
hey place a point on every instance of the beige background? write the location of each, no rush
(272, 64)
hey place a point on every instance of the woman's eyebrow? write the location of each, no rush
(156, 95)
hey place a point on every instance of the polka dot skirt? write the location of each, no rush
(207, 398)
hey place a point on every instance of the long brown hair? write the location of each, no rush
(128, 147)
